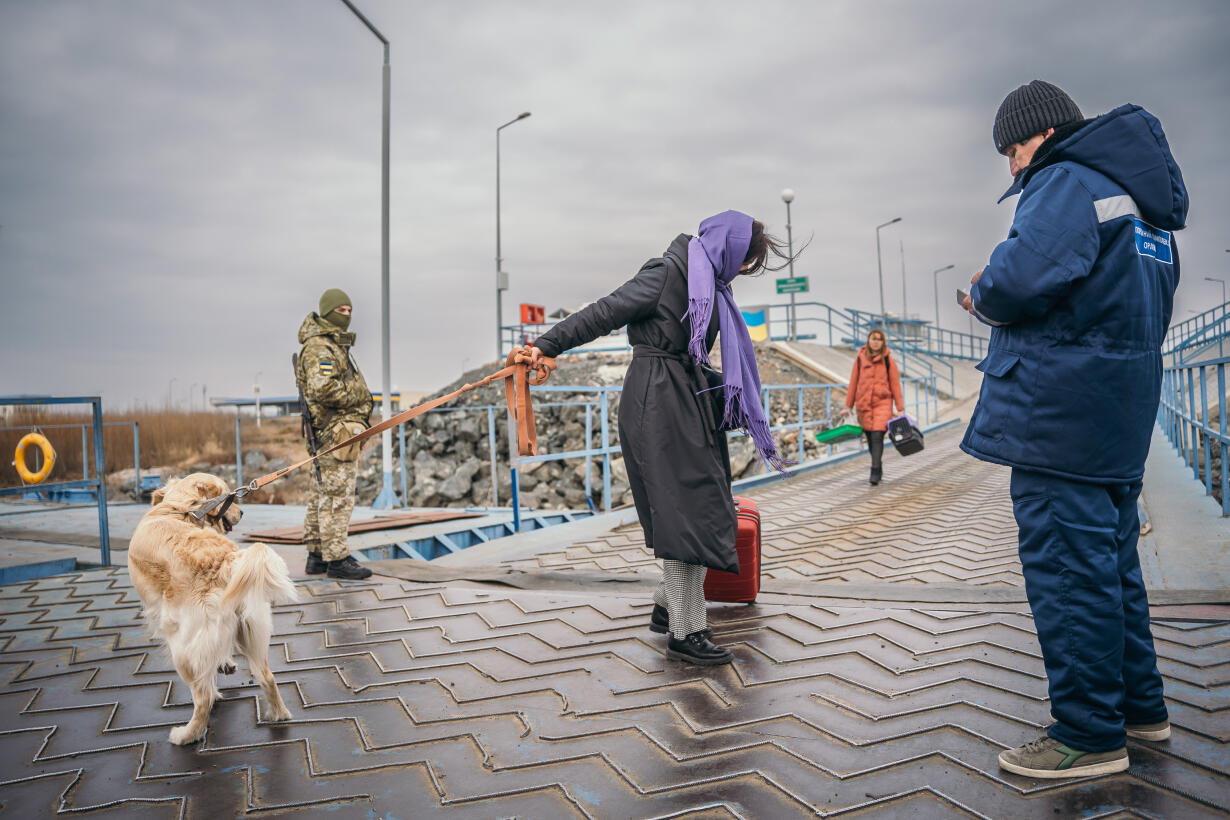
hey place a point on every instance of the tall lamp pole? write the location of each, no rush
(788, 197)
(386, 497)
(935, 281)
(1223, 286)
(501, 278)
(879, 265)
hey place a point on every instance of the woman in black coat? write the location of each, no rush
(674, 410)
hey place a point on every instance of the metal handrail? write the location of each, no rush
(1188, 430)
(924, 406)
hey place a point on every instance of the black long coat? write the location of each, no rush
(678, 463)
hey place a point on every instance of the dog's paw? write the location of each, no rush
(279, 716)
(182, 736)
(227, 668)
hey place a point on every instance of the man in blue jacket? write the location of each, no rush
(1079, 297)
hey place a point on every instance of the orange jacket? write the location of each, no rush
(874, 388)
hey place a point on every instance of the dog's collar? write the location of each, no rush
(204, 520)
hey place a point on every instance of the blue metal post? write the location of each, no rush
(1191, 404)
(136, 459)
(589, 460)
(1225, 452)
(800, 425)
(85, 455)
(514, 460)
(606, 455)
(401, 449)
(100, 473)
(495, 484)
(1204, 422)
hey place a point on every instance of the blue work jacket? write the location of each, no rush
(1080, 296)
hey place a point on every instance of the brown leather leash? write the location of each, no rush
(518, 376)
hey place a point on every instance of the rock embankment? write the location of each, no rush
(448, 453)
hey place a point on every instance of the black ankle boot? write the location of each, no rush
(698, 649)
(659, 621)
(876, 474)
(348, 569)
(316, 564)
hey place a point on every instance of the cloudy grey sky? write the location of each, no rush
(180, 180)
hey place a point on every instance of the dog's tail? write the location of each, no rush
(259, 576)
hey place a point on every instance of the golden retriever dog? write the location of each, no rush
(205, 598)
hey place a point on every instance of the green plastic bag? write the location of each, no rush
(835, 434)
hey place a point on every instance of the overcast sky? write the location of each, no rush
(180, 180)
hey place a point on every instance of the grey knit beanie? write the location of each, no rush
(1032, 109)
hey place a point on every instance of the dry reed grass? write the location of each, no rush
(168, 437)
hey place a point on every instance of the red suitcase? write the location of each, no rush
(741, 587)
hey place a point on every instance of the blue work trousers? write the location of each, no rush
(1082, 575)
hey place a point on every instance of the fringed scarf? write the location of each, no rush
(715, 255)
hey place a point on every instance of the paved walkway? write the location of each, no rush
(935, 518)
(890, 658)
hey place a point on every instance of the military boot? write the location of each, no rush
(316, 564)
(348, 569)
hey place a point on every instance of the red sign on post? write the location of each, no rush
(533, 314)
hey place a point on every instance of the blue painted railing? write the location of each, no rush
(1184, 418)
(98, 482)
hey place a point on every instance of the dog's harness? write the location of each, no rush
(517, 380)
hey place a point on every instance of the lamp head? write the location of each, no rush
(787, 195)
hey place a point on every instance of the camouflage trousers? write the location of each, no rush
(329, 507)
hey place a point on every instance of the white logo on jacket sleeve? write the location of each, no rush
(1152, 242)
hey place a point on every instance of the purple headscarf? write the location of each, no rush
(715, 255)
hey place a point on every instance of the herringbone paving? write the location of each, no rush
(938, 517)
(416, 700)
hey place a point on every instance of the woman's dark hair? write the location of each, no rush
(761, 247)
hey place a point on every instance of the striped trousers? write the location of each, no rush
(682, 592)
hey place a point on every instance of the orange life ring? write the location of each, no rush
(49, 458)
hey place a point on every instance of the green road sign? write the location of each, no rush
(793, 284)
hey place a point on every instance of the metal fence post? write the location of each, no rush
(1208, 445)
(800, 425)
(514, 461)
(589, 459)
(100, 473)
(603, 407)
(495, 475)
(136, 460)
(85, 455)
(401, 452)
(1221, 424)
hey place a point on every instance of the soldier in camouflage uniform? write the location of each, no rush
(340, 405)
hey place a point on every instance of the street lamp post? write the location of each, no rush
(905, 310)
(386, 498)
(256, 391)
(1223, 286)
(788, 197)
(935, 282)
(879, 265)
(501, 278)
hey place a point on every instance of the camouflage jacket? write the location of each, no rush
(334, 388)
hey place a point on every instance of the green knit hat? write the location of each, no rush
(331, 300)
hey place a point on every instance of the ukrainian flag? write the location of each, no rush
(756, 327)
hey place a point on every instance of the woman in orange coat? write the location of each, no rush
(875, 386)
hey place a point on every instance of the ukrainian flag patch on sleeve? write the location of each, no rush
(326, 368)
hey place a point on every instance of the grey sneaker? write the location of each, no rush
(1046, 757)
(1149, 731)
